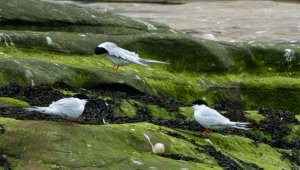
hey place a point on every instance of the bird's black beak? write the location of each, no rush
(100, 50)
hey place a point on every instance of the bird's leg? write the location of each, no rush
(114, 67)
(117, 67)
(206, 133)
(69, 122)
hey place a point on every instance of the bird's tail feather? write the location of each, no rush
(38, 109)
(241, 125)
(146, 61)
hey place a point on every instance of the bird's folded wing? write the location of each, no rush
(214, 115)
(65, 104)
(125, 54)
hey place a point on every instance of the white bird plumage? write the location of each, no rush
(211, 119)
(120, 57)
(67, 107)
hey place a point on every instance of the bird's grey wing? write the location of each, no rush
(65, 104)
(214, 116)
(124, 54)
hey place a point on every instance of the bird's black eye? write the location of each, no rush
(100, 50)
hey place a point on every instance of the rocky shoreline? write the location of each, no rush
(47, 53)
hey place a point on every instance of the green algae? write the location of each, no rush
(11, 102)
(298, 117)
(187, 113)
(251, 91)
(127, 107)
(244, 149)
(254, 116)
(50, 144)
(159, 112)
(295, 134)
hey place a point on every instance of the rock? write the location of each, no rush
(44, 16)
(48, 73)
(140, 1)
(186, 55)
(11, 102)
(42, 144)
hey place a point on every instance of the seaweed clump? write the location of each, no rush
(277, 122)
(225, 161)
(293, 156)
(5, 163)
(181, 157)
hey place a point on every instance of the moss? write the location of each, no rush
(159, 112)
(251, 90)
(277, 97)
(243, 149)
(254, 116)
(127, 107)
(272, 57)
(181, 87)
(295, 134)
(187, 112)
(49, 144)
(298, 117)
(263, 135)
(11, 102)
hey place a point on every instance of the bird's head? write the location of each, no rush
(100, 50)
(84, 98)
(104, 47)
(198, 103)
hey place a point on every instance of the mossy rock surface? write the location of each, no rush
(53, 45)
(25, 71)
(42, 144)
(11, 102)
(50, 144)
(90, 71)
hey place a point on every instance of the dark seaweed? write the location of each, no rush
(181, 157)
(225, 161)
(4, 163)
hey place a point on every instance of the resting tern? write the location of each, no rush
(71, 107)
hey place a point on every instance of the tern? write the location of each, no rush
(71, 107)
(120, 57)
(212, 119)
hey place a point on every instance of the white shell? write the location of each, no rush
(159, 148)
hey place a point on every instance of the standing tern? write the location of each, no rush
(211, 119)
(120, 57)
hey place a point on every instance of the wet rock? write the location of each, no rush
(45, 16)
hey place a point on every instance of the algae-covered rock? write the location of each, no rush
(49, 144)
(53, 45)
(33, 72)
(36, 66)
(45, 145)
(11, 102)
